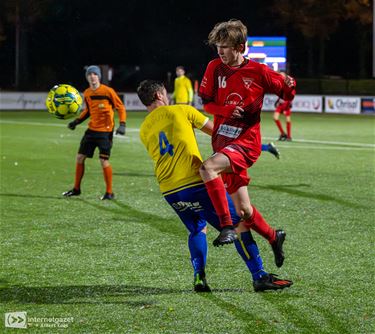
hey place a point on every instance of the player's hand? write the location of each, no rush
(238, 112)
(289, 81)
(72, 125)
(121, 129)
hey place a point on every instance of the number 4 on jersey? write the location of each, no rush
(164, 145)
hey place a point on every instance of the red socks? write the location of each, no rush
(107, 172)
(289, 129)
(218, 195)
(259, 225)
(278, 123)
(80, 170)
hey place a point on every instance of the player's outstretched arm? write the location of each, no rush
(208, 127)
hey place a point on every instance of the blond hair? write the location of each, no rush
(232, 32)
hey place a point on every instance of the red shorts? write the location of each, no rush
(240, 160)
(281, 109)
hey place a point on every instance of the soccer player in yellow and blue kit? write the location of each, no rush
(183, 90)
(168, 135)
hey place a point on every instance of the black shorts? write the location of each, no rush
(94, 139)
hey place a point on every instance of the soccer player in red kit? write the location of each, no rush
(233, 89)
(283, 107)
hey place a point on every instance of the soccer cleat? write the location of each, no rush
(277, 247)
(227, 236)
(200, 283)
(288, 138)
(283, 137)
(270, 282)
(73, 192)
(107, 196)
(273, 150)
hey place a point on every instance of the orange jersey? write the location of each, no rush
(100, 105)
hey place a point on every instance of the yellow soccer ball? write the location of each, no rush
(64, 101)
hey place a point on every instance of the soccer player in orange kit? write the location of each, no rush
(101, 101)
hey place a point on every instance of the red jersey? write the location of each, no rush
(224, 87)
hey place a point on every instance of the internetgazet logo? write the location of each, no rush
(16, 319)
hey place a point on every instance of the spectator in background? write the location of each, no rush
(183, 89)
(283, 106)
(101, 101)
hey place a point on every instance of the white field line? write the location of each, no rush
(336, 148)
(323, 142)
(335, 143)
(326, 142)
(61, 125)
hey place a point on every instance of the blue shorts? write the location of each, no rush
(194, 207)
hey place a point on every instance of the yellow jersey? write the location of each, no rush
(183, 90)
(168, 135)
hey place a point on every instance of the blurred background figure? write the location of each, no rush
(183, 89)
(284, 107)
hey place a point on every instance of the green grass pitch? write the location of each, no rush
(123, 266)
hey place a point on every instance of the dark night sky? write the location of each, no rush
(154, 35)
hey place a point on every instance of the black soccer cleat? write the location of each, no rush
(283, 137)
(72, 192)
(277, 247)
(200, 283)
(270, 282)
(227, 235)
(273, 150)
(107, 196)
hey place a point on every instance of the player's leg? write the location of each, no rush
(288, 125)
(210, 172)
(276, 116)
(252, 219)
(105, 145)
(80, 171)
(198, 254)
(245, 246)
(182, 203)
(270, 147)
(108, 175)
(86, 150)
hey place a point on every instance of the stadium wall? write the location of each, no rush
(302, 103)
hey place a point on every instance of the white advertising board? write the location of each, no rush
(22, 101)
(342, 104)
(132, 102)
(301, 103)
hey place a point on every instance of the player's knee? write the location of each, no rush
(104, 161)
(207, 169)
(80, 158)
(244, 213)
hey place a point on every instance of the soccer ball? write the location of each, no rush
(64, 101)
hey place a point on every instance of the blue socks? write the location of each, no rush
(265, 147)
(248, 249)
(198, 251)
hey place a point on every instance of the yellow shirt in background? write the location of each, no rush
(183, 90)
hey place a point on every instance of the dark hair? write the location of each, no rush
(147, 90)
